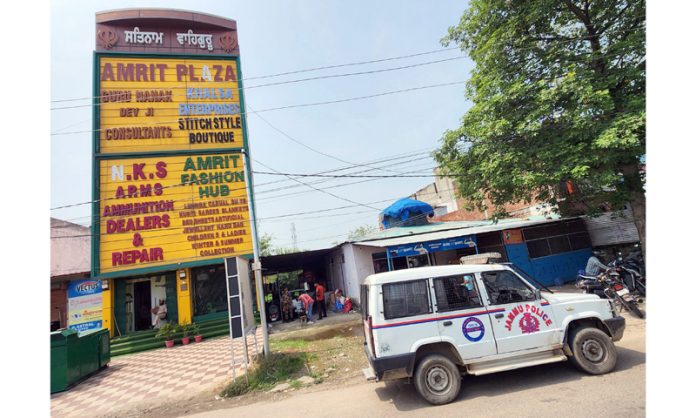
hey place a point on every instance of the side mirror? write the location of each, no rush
(537, 294)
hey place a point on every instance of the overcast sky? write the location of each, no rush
(277, 37)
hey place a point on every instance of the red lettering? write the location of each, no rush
(192, 73)
(180, 72)
(161, 167)
(132, 191)
(218, 70)
(108, 72)
(116, 259)
(229, 74)
(138, 172)
(158, 189)
(141, 72)
(119, 192)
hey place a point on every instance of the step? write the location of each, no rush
(517, 362)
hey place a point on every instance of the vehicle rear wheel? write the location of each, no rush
(437, 379)
(593, 351)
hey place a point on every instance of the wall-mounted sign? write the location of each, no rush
(512, 236)
(85, 305)
(432, 246)
(166, 104)
(166, 210)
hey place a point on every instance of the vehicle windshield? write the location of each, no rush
(527, 277)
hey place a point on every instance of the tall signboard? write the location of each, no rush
(84, 305)
(170, 161)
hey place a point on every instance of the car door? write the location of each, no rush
(519, 320)
(462, 319)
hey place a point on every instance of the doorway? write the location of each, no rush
(141, 305)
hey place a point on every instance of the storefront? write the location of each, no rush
(135, 297)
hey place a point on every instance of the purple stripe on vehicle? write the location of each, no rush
(443, 318)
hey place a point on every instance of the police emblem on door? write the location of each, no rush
(473, 329)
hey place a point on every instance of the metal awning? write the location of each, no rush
(452, 233)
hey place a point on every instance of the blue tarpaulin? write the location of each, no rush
(400, 212)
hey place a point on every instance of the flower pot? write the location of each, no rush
(198, 338)
(185, 340)
(169, 343)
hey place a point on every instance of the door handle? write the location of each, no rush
(447, 323)
(499, 315)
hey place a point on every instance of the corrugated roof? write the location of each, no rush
(444, 230)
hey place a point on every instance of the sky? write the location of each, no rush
(277, 37)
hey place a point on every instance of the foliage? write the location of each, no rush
(269, 370)
(194, 329)
(167, 331)
(265, 244)
(267, 248)
(360, 232)
(558, 96)
(185, 328)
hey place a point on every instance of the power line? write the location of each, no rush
(279, 83)
(305, 70)
(354, 176)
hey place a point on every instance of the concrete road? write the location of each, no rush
(550, 390)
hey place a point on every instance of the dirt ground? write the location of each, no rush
(335, 359)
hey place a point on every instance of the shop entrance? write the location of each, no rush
(141, 305)
(141, 296)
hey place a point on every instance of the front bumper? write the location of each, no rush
(392, 367)
(616, 327)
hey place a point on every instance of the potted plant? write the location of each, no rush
(185, 329)
(167, 331)
(196, 332)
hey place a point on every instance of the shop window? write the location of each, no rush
(556, 239)
(209, 290)
(538, 248)
(559, 244)
(456, 293)
(406, 299)
(399, 263)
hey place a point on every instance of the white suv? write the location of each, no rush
(434, 324)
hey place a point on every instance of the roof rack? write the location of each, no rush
(483, 258)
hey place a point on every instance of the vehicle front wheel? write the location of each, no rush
(593, 351)
(437, 379)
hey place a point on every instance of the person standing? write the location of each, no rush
(307, 303)
(321, 302)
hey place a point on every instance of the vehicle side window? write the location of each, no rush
(505, 287)
(364, 300)
(456, 293)
(406, 299)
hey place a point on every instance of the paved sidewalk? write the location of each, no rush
(154, 376)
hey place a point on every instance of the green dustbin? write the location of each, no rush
(73, 358)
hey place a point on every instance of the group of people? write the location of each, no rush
(304, 302)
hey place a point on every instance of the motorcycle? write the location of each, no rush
(631, 272)
(610, 285)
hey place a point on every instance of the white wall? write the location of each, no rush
(358, 265)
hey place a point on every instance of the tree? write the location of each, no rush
(265, 244)
(558, 113)
(360, 232)
(267, 248)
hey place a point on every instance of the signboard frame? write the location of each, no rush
(97, 157)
